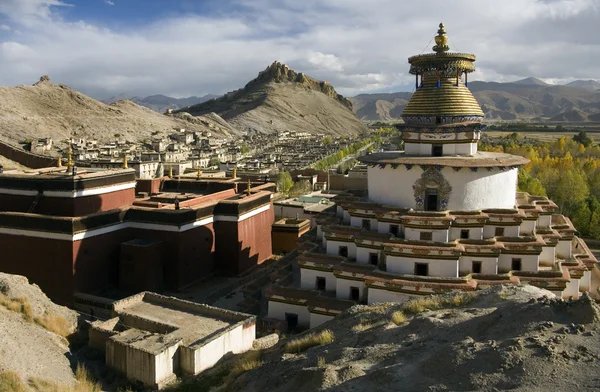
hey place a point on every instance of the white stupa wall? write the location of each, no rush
(471, 190)
(425, 149)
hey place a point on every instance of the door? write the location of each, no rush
(437, 151)
(291, 320)
(320, 283)
(354, 294)
(431, 200)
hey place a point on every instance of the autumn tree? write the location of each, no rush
(284, 183)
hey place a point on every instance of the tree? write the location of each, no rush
(583, 138)
(214, 162)
(245, 149)
(581, 218)
(301, 188)
(284, 182)
(594, 227)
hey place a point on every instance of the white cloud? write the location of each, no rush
(4, 27)
(358, 46)
(109, 2)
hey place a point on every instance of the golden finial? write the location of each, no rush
(249, 186)
(59, 162)
(170, 171)
(70, 156)
(199, 174)
(235, 172)
(441, 41)
(125, 162)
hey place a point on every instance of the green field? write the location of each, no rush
(544, 136)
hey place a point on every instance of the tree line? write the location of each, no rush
(567, 171)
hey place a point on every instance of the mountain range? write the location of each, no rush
(282, 99)
(530, 99)
(161, 103)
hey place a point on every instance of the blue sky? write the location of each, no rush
(186, 47)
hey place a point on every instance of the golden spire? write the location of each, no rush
(441, 41)
(170, 171)
(70, 156)
(249, 186)
(125, 162)
(199, 174)
(59, 162)
(234, 172)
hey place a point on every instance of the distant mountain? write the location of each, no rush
(281, 99)
(529, 99)
(586, 84)
(54, 110)
(531, 81)
(160, 103)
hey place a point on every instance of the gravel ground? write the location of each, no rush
(508, 338)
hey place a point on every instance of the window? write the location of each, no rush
(394, 230)
(426, 236)
(499, 231)
(431, 200)
(354, 294)
(476, 267)
(366, 224)
(464, 234)
(437, 150)
(373, 258)
(291, 320)
(321, 283)
(516, 265)
(343, 251)
(421, 269)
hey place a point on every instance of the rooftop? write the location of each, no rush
(480, 159)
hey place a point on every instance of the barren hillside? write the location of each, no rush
(518, 338)
(280, 99)
(55, 110)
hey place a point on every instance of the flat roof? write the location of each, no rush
(480, 159)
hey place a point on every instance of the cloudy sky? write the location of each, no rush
(196, 47)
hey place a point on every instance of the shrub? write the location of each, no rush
(422, 304)
(57, 324)
(398, 317)
(11, 382)
(304, 343)
(321, 362)
(364, 324)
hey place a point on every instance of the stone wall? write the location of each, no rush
(33, 161)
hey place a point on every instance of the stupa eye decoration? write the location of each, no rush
(432, 181)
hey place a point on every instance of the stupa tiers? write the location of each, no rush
(440, 216)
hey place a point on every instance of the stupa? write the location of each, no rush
(440, 216)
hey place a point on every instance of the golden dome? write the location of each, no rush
(441, 96)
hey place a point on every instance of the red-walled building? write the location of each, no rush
(85, 232)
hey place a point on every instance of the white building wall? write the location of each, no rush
(339, 211)
(163, 364)
(346, 217)
(333, 248)
(470, 190)
(586, 281)
(475, 233)
(489, 231)
(563, 249)
(406, 265)
(415, 234)
(572, 289)
(378, 295)
(308, 279)
(363, 255)
(548, 255)
(544, 221)
(231, 341)
(318, 319)
(357, 222)
(528, 227)
(528, 262)
(489, 265)
(277, 310)
(342, 290)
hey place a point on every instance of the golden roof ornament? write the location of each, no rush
(235, 172)
(70, 156)
(59, 162)
(441, 41)
(170, 171)
(125, 162)
(249, 186)
(199, 174)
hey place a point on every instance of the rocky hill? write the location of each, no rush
(55, 110)
(282, 99)
(33, 328)
(161, 103)
(528, 100)
(517, 338)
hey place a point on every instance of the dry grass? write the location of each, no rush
(56, 324)
(422, 304)
(248, 361)
(398, 317)
(364, 324)
(321, 362)
(85, 383)
(311, 340)
(11, 382)
(379, 308)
